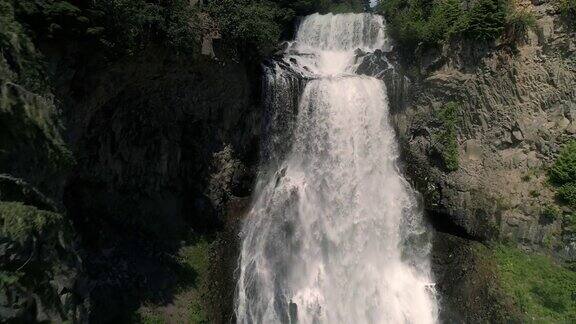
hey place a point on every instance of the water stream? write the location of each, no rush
(335, 233)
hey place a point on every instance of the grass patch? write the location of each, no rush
(542, 290)
(189, 303)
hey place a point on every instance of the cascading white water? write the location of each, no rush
(334, 234)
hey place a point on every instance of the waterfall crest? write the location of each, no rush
(334, 234)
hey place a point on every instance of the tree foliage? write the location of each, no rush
(486, 20)
(127, 26)
(431, 23)
(258, 24)
(250, 23)
(563, 174)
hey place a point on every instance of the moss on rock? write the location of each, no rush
(542, 289)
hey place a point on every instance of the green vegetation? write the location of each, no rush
(259, 24)
(27, 113)
(189, 305)
(569, 223)
(568, 11)
(486, 20)
(121, 26)
(518, 23)
(446, 139)
(305, 7)
(567, 194)
(343, 6)
(196, 262)
(432, 23)
(126, 26)
(37, 255)
(551, 213)
(133, 24)
(541, 289)
(563, 174)
(19, 222)
(249, 23)
(19, 60)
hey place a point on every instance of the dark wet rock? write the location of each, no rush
(373, 64)
(160, 150)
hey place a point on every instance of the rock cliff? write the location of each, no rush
(124, 179)
(513, 106)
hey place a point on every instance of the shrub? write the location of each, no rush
(447, 137)
(432, 23)
(564, 168)
(568, 11)
(306, 7)
(18, 222)
(562, 174)
(406, 20)
(447, 19)
(130, 24)
(18, 53)
(191, 304)
(569, 223)
(344, 6)
(486, 20)
(518, 23)
(567, 194)
(551, 213)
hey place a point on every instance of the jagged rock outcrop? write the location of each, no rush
(515, 107)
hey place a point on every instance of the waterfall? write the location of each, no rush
(335, 233)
